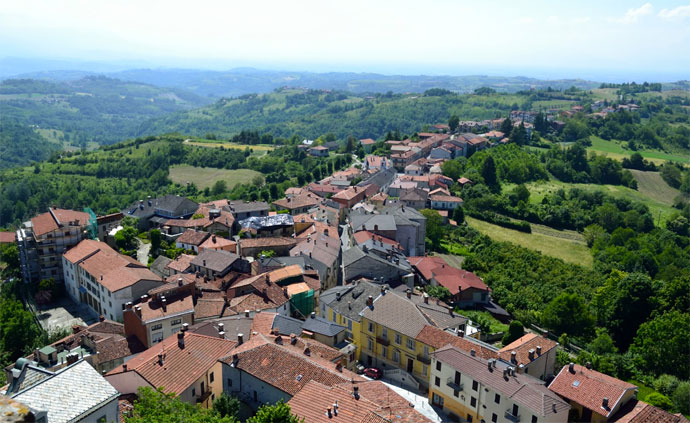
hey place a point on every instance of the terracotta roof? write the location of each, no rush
(523, 345)
(380, 196)
(152, 310)
(635, 411)
(181, 263)
(186, 223)
(364, 236)
(274, 361)
(55, 218)
(217, 242)
(298, 201)
(286, 272)
(181, 366)
(267, 242)
(349, 193)
(446, 198)
(589, 388)
(208, 307)
(192, 237)
(111, 269)
(437, 338)
(456, 279)
(463, 181)
(426, 264)
(7, 237)
(216, 260)
(263, 322)
(367, 141)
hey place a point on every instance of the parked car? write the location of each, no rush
(373, 373)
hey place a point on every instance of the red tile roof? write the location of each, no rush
(7, 237)
(437, 338)
(181, 263)
(523, 345)
(589, 387)
(635, 411)
(153, 309)
(364, 236)
(181, 366)
(298, 201)
(48, 222)
(192, 237)
(367, 141)
(456, 279)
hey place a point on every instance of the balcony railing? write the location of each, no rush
(383, 341)
(424, 358)
(512, 417)
(450, 382)
(203, 396)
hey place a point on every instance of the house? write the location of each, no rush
(324, 249)
(160, 266)
(252, 247)
(217, 243)
(153, 319)
(349, 197)
(398, 186)
(8, 237)
(190, 240)
(267, 369)
(256, 294)
(76, 393)
(107, 223)
(377, 163)
(322, 190)
(596, 397)
(214, 263)
(360, 262)
(471, 388)
(441, 153)
(536, 354)
(43, 240)
(362, 402)
(477, 144)
(389, 341)
(367, 144)
(154, 213)
(181, 264)
(466, 288)
(307, 264)
(415, 198)
(104, 279)
(464, 181)
(635, 411)
(244, 209)
(104, 345)
(379, 199)
(445, 202)
(494, 135)
(319, 151)
(410, 227)
(268, 226)
(298, 204)
(185, 365)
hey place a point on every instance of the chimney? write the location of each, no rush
(513, 357)
(101, 318)
(144, 298)
(180, 340)
(571, 367)
(521, 368)
(383, 290)
(293, 339)
(355, 392)
(75, 328)
(409, 294)
(164, 304)
(339, 366)
(426, 298)
(505, 373)
(312, 315)
(180, 282)
(203, 262)
(185, 327)
(461, 333)
(246, 313)
(279, 340)
(538, 350)
(450, 310)
(349, 305)
(473, 353)
(213, 239)
(221, 335)
(307, 352)
(240, 339)
(370, 301)
(530, 354)
(124, 367)
(605, 403)
(488, 363)
(588, 366)
(328, 413)
(137, 310)
(160, 357)
(128, 305)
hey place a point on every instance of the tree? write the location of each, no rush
(126, 238)
(453, 122)
(155, 237)
(568, 313)
(488, 173)
(681, 398)
(219, 187)
(160, 407)
(506, 126)
(515, 331)
(663, 344)
(519, 135)
(602, 344)
(277, 413)
(227, 405)
(434, 226)
(659, 400)
(440, 292)
(452, 169)
(459, 215)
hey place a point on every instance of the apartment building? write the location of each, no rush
(44, 239)
(473, 389)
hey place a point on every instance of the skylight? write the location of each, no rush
(576, 383)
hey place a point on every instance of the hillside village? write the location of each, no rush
(321, 299)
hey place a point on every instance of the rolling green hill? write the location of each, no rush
(19, 145)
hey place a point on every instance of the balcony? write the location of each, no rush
(450, 382)
(424, 358)
(383, 341)
(203, 396)
(511, 417)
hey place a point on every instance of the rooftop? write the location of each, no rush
(57, 218)
(523, 345)
(216, 260)
(193, 237)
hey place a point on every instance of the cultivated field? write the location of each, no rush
(653, 186)
(258, 149)
(566, 245)
(204, 177)
(614, 150)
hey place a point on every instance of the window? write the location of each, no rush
(156, 337)
(398, 339)
(370, 344)
(534, 419)
(425, 370)
(497, 399)
(426, 351)
(437, 399)
(101, 419)
(371, 327)
(438, 366)
(175, 322)
(210, 377)
(396, 356)
(437, 381)
(469, 418)
(456, 393)
(193, 392)
(157, 327)
(384, 333)
(384, 352)
(229, 382)
(410, 344)
(473, 402)
(475, 385)
(494, 418)
(349, 324)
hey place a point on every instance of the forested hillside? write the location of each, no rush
(20, 144)
(89, 111)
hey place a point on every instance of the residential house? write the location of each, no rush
(44, 239)
(154, 213)
(7, 237)
(534, 353)
(298, 204)
(635, 411)
(322, 190)
(215, 263)
(367, 144)
(382, 179)
(160, 266)
(185, 365)
(398, 186)
(441, 153)
(325, 249)
(319, 151)
(76, 393)
(244, 209)
(415, 198)
(107, 223)
(104, 279)
(360, 262)
(389, 341)
(349, 197)
(181, 264)
(410, 227)
(377, 163)
(268, 226)
(362, 402)
(379, 199)
(190, 240)
(471, 388)
(445, 202)
(152, 320)
(466, 288)
(464, 181)
(307, 264)
(596, 397)
(252, 247)
(414, 169)
(218, 243)
(208, 218)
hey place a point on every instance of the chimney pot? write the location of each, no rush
(328, 412)
(571, 367)
(180, 339)
(605, 403)
(409, 293)
(221, 335)
(461, 333)
(588, 366)
(538, 349)
(513, 357)
(240, 338)
(313, 315)
(160, 358)
(124, 367)
(221, 327)
(530, 354)
(473, 353)
(180, 282)
(185, 327)
(246, 313)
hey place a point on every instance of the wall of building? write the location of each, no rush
(170, 325)
(249, 388)
(109, 412)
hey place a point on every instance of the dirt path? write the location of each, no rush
(143, 252)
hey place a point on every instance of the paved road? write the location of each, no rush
(420, 402)
(143, 252)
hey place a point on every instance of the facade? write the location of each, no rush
(107, 223)
(536, 353)
(152, 320)
(104, 279)
(44, 239)
(473, 389)
(217, 263)
(445, 202)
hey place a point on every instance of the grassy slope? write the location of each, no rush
(653, 186)
(568, 247)
(204, 177)
(614, 150)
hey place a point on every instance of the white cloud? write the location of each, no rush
(581, 20)
(679, 12)
(526, 21)
(634, 15)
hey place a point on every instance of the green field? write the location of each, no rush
(660, 210)
(204, 177)
(653, 186)
(615, 150)
(257, 149)
(566, 245)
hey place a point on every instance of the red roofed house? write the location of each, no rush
(350, 196)
(191, 239)
(466, 288)
(7, 237)
(536, 353)
(367, 144)
(44, 239)
(319, 151)
(595, 396)
(186, 365)
(445, 202)
(99, 276)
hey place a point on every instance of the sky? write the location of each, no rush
(605, 38)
